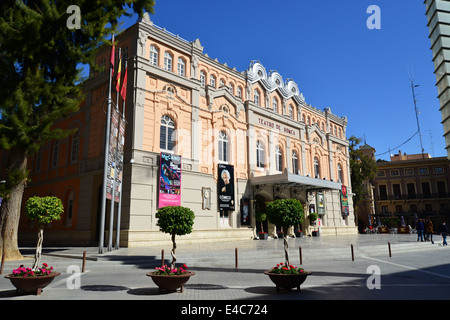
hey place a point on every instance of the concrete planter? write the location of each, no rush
(288, 281)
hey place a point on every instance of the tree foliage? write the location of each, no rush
(175, 220)
(362, 168)
(40, 81)
(285, 212)
(44, 209)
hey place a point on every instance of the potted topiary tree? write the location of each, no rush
(176, 221)
(312, 217)
(43, 210)
(286, 213)
(261, 217)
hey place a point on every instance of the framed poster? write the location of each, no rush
(225, 186)
(245, 211)
(320, 201)
(169, 180)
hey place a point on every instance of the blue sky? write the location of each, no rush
(337, 62)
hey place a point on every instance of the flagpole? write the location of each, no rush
(119, 208)
(105, 164)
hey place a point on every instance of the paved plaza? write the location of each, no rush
(357, 267)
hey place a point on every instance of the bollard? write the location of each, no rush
(389, 246)
(162, 257)
(3, 262)
(300, 252)
(84, 262)
(353, 255)
(236, 257)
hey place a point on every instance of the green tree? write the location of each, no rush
(42, 210)
(40, 82)
(285, 213)
(362, 169)
(176, 221)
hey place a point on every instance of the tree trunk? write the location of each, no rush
(37, 255)
(10, 209)
(286, 248)
(174, 258)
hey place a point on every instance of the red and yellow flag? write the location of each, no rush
(118, 75)
(123, 92)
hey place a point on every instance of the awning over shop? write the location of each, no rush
(295, 180)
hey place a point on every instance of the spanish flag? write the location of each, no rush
(123, 92)
(118, 75)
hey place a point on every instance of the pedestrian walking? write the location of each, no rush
(429, 230)
(444, 232)
(420, 228)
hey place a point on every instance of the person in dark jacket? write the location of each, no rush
(444, 232)
(420, 228)
(429, 230)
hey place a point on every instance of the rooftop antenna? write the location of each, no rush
(431, 139)
(416, 111)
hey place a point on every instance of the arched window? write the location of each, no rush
(339, 173)
(294, 163)
(260, 154)
(239, 92)
(154, 55)
(316, 168)
(168, 61)
(181, 67)
(202, 78)
(75, 147)
(231, 88)
(256, 98)
(274, 104)
(223, 146)
(291, 111)
(278, 159)
(212, 81)
(167, 136)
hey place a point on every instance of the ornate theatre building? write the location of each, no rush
(200, 134)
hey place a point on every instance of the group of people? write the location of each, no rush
(425, 231)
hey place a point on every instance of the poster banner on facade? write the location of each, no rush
(112, 152)
(225, 186)
(344, 200)
(170, 180)
(320, 203)
(245, 211)
(119, 158)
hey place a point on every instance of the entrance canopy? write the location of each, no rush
(295, 180)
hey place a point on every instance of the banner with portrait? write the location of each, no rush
(169, 180)
(225, 186)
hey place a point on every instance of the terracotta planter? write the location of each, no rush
(31, 284)
(288, 281)
(171, 283)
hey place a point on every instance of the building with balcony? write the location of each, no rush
(410, 187)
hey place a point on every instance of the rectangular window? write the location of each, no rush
(396, 191)
(442, 191)
(395, 173)
(426, 191)
(383, 192)
(411, 190)
(423, 170)
(409, 172)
